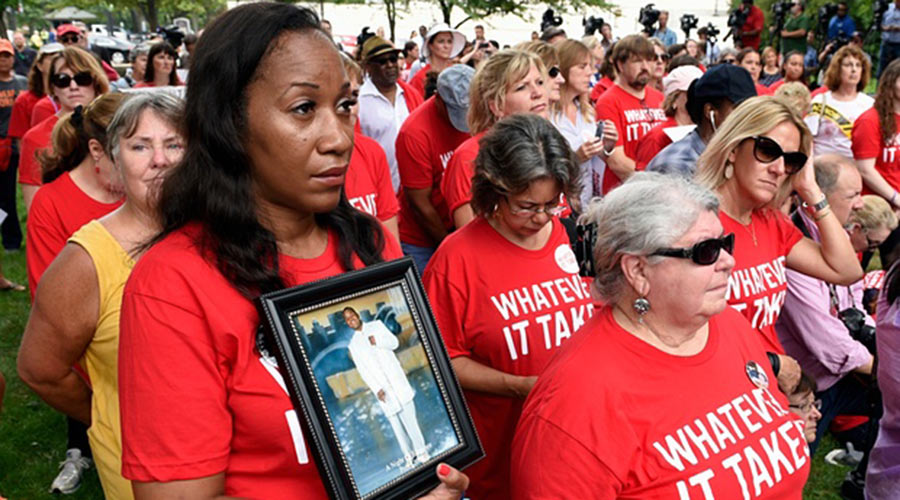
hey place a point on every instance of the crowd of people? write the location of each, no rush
(718, 326)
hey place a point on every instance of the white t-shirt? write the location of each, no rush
(831, 122)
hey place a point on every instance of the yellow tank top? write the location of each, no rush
(113, 265)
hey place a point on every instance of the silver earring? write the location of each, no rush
(641, 307)
(729, 171)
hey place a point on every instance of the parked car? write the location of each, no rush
(112, 50)
(101, 29)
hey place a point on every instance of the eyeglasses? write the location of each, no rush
(808, 406)
(703, 253)
(767, 150)
(551, 209)
(662, 57)
(729, 61)
(381, 61)
(62, 80)
(554, 72)
(69, 38)
(872, 244)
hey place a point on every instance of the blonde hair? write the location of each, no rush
(79, 60)
(352, 68)
(548, 53)
(571, 53)
(493, 79)
(875, 213)
(796, 95)
(755, 116)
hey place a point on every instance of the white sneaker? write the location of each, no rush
(70, 471)
(849, 457)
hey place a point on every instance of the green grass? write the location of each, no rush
(33, 436)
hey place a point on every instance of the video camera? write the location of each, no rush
(780, 9)
(549, 20)
(737, 18)
(711, 32)
(648, 16)
(688, 22)
(592, 25)
(364, 35)
(172, 34)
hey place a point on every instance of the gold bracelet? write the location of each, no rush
(822, 214)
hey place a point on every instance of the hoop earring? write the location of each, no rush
(641, 306)
(729, 171)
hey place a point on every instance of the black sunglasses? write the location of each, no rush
(554, 72)
(767, 150)
(381, 61)
(662, 57)
(63, 80)
(703, 253)
(69, 38)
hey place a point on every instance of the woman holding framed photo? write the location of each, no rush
(203, 416)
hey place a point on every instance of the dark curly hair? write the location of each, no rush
(213, 185)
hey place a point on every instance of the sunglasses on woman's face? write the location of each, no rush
(62, 80)
(767, 150)
(703, 253)
(554, 72)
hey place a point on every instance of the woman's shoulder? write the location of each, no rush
(178, 254)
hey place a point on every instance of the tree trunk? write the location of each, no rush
(150, 13)
(446, 7)
(391, 7)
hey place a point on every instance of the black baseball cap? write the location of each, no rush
(726, 81)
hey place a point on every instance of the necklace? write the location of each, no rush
(747, 227)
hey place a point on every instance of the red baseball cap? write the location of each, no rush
(64, 29)
(6, 46)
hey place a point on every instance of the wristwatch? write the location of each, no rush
(818, 207)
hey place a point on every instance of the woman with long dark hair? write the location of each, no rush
(160, 70)
(256, 205)
(874, 146)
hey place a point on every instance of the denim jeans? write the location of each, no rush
(420, 255)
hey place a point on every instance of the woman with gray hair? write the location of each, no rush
(665, 392)
(505, 287)
(75, 318)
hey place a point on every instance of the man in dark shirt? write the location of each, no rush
(24, 56)
(10, 86)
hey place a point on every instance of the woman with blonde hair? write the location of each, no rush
(550, 57)
(770, 72)
(76, 78)
(871, 225)
(511, 81)
(835, 111)
(759, 155)
(573, 116)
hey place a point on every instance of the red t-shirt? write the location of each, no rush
(651, 144)
(757, 284)
(20, 119)
(613, 417)
(58, 210)
(425, 143)
(418, 80)
(600, 88)
(633, 118)
(411, 96)
(43, 109)
(510, 321)
(196, 396)
(34, 141)
(762, 89)
(368, 181)
(866, 144)
(456, 185)
(754, 22)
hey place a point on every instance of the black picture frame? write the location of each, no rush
(305, 365)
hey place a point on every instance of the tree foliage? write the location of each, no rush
(477, 9)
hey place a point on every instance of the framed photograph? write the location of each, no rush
(367, 369)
